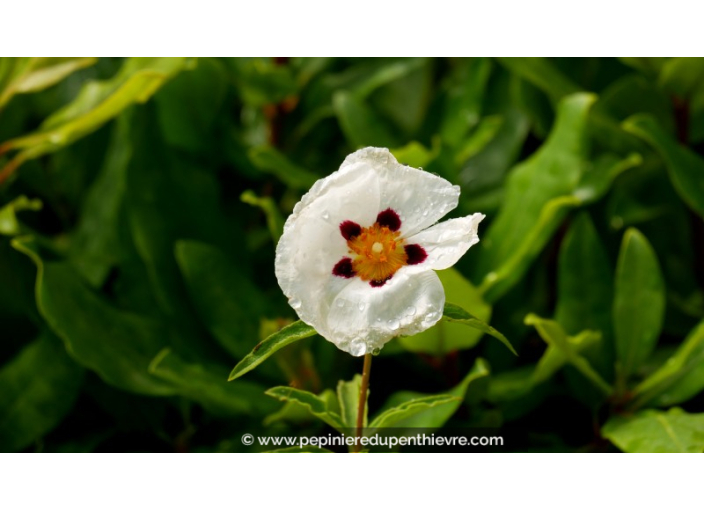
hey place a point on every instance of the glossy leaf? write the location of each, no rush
(317, 406)
(447, 336)
(128, 341)
(554, 171)
(454, 313)
(684, 166)
(348, 393)
(554, 335)
(585, 287)
(288, 335)
(543, 74)
(208, 386)
(639, 302)
(271, 161)
(96, 103)
(25, 75)
(462, 109)
(555, 356)
(680, 377)
(37, 389)
(408, 409)
(418, 410)
(360, 124)
(215, 285)
(673, 431)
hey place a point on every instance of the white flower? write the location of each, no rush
(357, 255)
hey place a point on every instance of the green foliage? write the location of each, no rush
(673, 431)
(141, 201)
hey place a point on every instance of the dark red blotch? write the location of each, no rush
(390, 219)
(415, 253)
(344, 268)
(350, 229)
(379, 283)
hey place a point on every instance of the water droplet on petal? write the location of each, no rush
(295, 303)
(326, 215)
(376, 352)
(358, 348)
(393, 324)
(361, 306)
(411, 310)
(340, 303)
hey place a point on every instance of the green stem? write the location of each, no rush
(363, 399)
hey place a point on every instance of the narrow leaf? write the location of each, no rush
(639, 302)
(316, 405)
(455, 313)
(288, 335)
(410, 408)
(554, 335)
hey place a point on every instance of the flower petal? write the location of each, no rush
(418, 197)
(446, 242)
(363, 318)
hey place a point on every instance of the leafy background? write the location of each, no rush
(141, 201)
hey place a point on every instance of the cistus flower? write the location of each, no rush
(358, 253)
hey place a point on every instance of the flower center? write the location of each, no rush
(378, 251)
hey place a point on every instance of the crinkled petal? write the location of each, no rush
(362, 318)
(418, 197)
(446, 242)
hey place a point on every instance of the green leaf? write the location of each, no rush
(317, 406)
(260, 81)
(25, 75)
(97, 244)
(463, 106)
(97, 103)
(417, 410)
(208, 386)
(271, 161)
(684, 166)
(37, 389)
(447, 336)
(293, 412)
(288, 335)
(585, 280)
(680, 377)
(639, 302)
(554, 335)
(543, 74)
(455, 313)
(9, 225)
(128, 341)
(216, 285)
(408, 409)
(274, 220)
(683, 76)
(348, 393)
(416, 155)
(555, 356)
(650, 431)
(553, 172)
(190, 105)
(360, 123)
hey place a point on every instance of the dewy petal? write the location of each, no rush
(418, 197)
(446, 242)
(363, 318)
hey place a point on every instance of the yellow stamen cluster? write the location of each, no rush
(378, 253)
